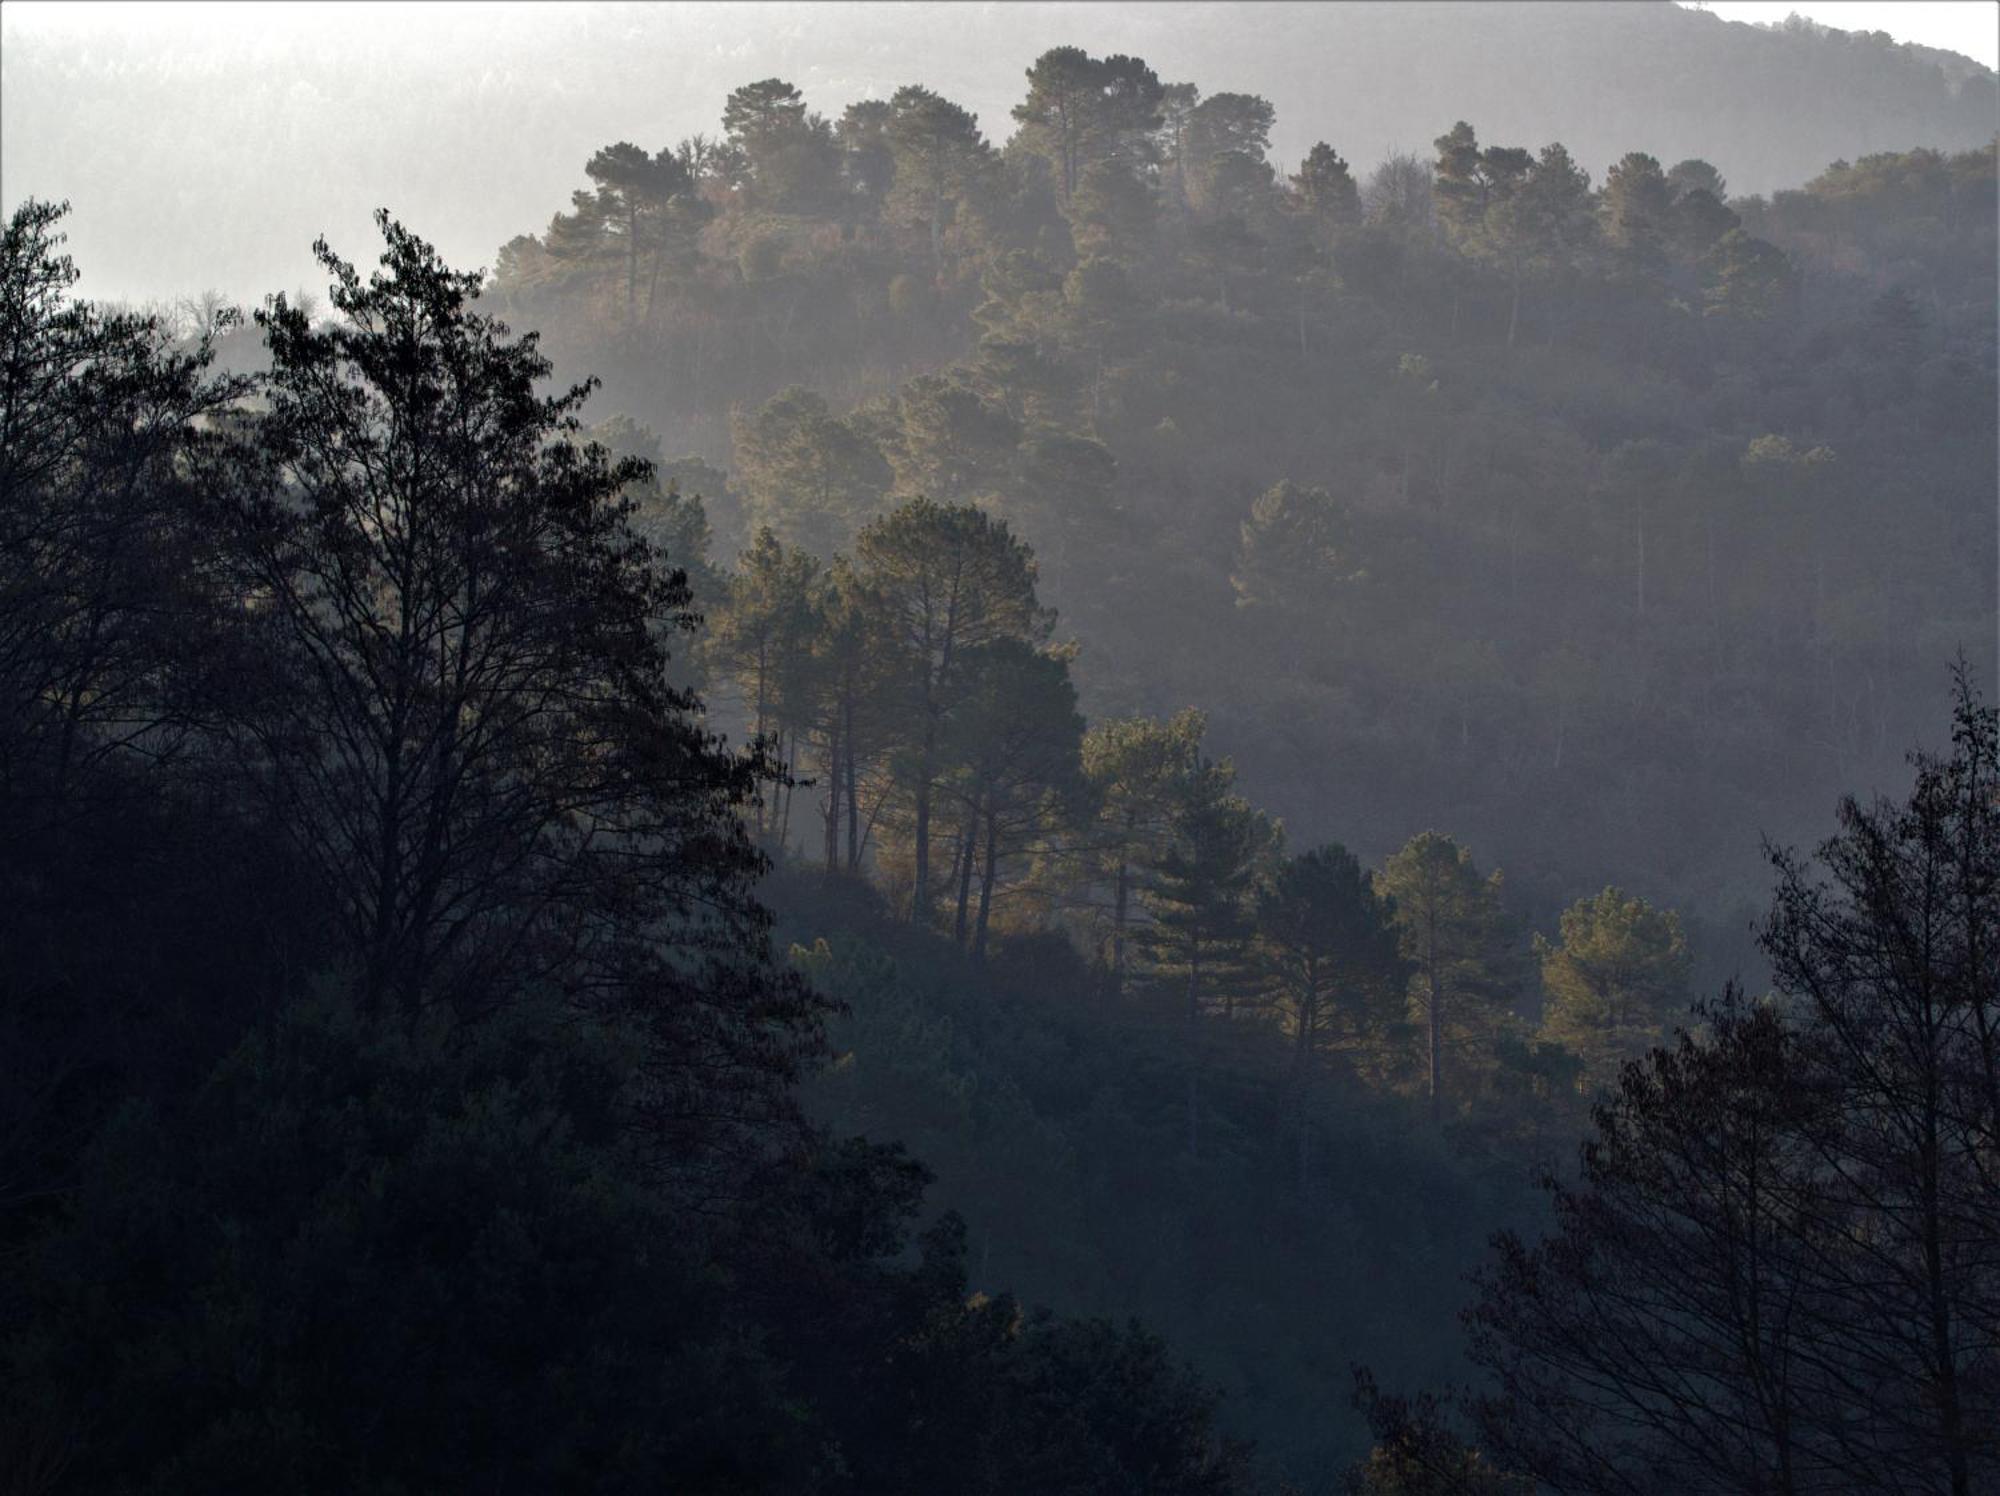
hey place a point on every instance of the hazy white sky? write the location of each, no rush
(1968, 26)
(1971, 27)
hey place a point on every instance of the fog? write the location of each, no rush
(206, 146)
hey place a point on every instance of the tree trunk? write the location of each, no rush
(388, 874)
(986, 884)
(378, 975)
(1436, 1016)
(1943, 1349)
(920, 893)
(968, 844)
(631, 267)
(853, 797)
(1308, 1019)
(1120, 902)
(653, 285)
(833, 788)
(759, 728)
(788, 744)
(1639, 534)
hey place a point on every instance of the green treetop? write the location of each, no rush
(1454, 931)
(1616, 978)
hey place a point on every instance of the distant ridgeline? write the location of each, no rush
(500, 106)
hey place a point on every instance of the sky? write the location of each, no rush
(1968, 26)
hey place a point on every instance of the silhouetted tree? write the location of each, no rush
(1329, 944)
(462, 714)
(1888, 949)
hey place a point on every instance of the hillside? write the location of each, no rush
(1650, 517)
(972, 787)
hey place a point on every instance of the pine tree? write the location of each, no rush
(1616, 982)
(1455, 933)
(1328, 945)
(1199, 889)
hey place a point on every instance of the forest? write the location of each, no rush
(909, 812)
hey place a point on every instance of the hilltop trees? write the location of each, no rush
(1120, 365)
(645, 209)
(1132, 272)
(1505, 207)
(1637, 215)
(635, 191)
(1083, 112)
(1224, 146)
(937, 157)
(788, 154)
(1326, 191)
(867, 166)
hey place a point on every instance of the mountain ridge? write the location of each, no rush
(261, 142)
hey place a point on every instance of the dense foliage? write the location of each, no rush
(435, 1055)
(399, 1090)
(1610, 523)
